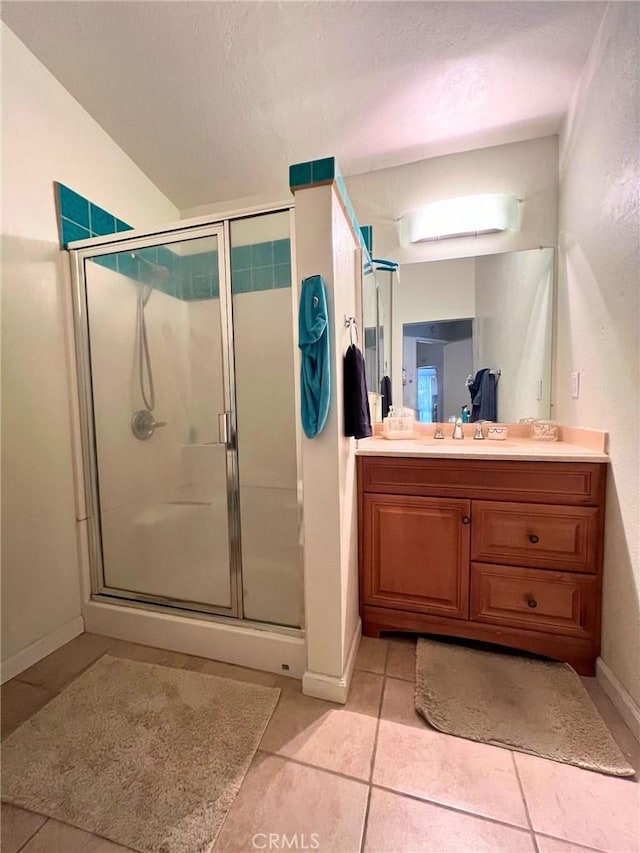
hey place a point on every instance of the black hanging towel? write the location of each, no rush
(357, 417)
(385, 393)
(484, 404)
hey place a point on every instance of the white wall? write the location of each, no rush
(528, 169)
(598, 309)
(325, 245)
(47, 137)
(512, 330)
(431, 291)
(457, 365)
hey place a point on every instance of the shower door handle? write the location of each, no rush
(224, 428)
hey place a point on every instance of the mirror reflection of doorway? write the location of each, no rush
(427, 395)
(437, 359)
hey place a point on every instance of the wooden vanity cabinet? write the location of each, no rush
(506, 552)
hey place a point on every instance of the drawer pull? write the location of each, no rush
(532, 602)
(533, 538)
(466, 519)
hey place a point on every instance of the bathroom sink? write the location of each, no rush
(466, 444)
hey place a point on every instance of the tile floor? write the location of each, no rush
(367, 777)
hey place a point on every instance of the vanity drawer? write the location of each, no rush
(546, 537)
(578, 483)
(553, 602)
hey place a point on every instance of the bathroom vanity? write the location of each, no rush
(492, 541)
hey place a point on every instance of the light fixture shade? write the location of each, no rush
(460, 217)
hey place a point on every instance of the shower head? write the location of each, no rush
(155, 273)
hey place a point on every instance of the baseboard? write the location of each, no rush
(40, 649)
(334, 688)
(232, 643)
(628, 709)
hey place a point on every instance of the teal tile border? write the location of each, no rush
(300, 175)
(314, 172)
(73, 206)
(326, 170)
(260, 266)
(71, 231)
(323, 170)
(367, 236)
(76, 209)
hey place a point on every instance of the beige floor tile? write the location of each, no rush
(552, 845)
(398, 704)
(581, 806)
(56, 837)
(59, 668)
(617, 726)
(401, 658)
(239, 673)
(164, 657)
(398, 824)
(471, 776)
(19, 702)
(372, 655)
(335, 737)
(18, 826)
(149, 654)
(281, 798)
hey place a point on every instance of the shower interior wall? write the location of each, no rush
(151, 491)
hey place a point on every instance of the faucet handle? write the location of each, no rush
(479, 436)
(438, 433)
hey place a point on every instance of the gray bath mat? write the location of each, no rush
(148, 756)
(529, 705)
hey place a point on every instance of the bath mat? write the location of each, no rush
(529, 705)
(148, 756)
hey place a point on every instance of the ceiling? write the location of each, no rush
(214, 100)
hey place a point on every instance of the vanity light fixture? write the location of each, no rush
(470, 215)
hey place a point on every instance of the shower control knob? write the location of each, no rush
(143, 424)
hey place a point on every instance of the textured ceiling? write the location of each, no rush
(213, 100)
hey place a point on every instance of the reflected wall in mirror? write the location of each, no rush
(378, 339)
(454, 318)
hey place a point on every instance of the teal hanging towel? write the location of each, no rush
(313, 340)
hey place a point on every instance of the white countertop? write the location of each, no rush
(514, 449)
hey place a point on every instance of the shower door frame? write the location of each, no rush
(80, 252)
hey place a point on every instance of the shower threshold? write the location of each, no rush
(184, 612)
(277, 649)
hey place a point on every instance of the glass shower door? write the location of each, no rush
(161, 409)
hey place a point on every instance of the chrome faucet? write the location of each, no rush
(458, 432)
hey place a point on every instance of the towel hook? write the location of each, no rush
(351, 324)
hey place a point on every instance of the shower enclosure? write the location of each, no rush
(185, 352)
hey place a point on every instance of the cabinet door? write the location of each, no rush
(416, 554)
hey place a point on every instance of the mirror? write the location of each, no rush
(378, 339)
(439, 323)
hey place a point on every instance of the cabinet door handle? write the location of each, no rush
(531, 601)
(465, 519)
(533, 538)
